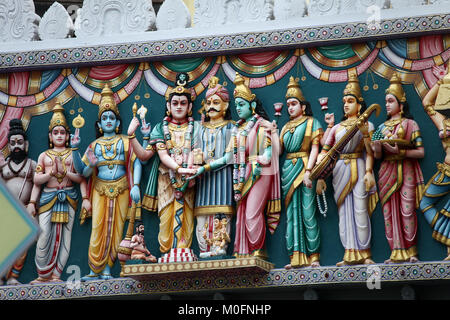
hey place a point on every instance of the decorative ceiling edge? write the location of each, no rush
(70, 53)
(369, 276)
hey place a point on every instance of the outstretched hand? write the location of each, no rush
(75, 139)
(135, 194)
(199, 170)
(91, 157)
(145, 128)
(132, 127)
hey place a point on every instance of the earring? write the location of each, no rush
(253, 111)
(190, 113)
(51, 144)
(100, 130)
(117, 129)
(168, 113)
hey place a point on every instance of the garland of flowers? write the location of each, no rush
(240, 164)
(186, 149)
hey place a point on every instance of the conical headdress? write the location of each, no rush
(294, 90)
(58, 118)
(241, 90)
(107, 102)
(396, 89)
(353, 88)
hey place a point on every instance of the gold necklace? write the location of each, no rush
(108, 146)
(216, 125)
(293, 124)
(348, 122)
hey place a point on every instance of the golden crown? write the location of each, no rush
(396, 89)
(242, 90)
(107, 101)
(180, 89)
(58, 118)
(294, 90)
(352, 87)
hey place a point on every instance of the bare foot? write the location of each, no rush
(388, 261)
(448, 258)
(341, 264)
(315, 264)
(55, 279)
(40, 280)
(413, 259)
(288, 266)
(368, 261)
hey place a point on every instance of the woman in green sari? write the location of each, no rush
(300, 138)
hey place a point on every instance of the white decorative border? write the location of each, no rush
(223, 280)
(73, 52)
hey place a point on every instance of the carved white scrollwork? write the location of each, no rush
(289, 9)
(323, 7)
(256, 10)
(396, 4)
(55, 23)
(18, 21)
(209, 13)
(173, 14)
(104, 17)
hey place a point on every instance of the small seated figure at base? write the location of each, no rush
(220, 238)
(139, 249)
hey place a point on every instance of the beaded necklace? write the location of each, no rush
(239, 163)
(185, 152)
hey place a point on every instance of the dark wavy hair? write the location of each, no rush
(308, 109)
(259, 109)
(406, 113)
(16, 127)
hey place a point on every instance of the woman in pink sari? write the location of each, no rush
(400, 178)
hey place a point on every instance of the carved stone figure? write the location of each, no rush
(436, 105)
(17, 172)
(138, 246)
(398, 143)
(300, 138)
(54, 186)
(214, 192)
(254, 151)
(353, 179)
(115, 176)
(219, 239)
(174, 139)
